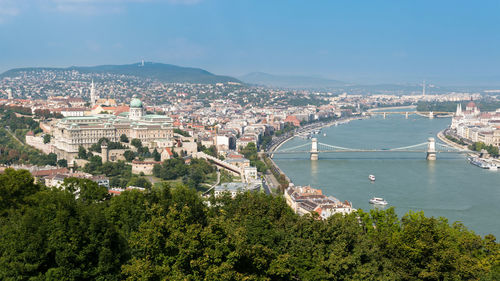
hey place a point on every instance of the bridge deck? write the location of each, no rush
(367, 150)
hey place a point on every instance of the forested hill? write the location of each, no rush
(171, 234)
(163, 72)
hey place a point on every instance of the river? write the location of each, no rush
(448, 187)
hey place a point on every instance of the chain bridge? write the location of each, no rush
(428, 114)
(314, 148)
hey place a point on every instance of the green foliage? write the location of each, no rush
(478, 146)
(10, 120)
(453, 139)
(192, 175)
(85, 190)
(45, 114)
(450, 106)
(13, 151)
(15, 186)
(181, 132)
(62, 163)
(212, 150)
(96, 147)
(124, 138)
(139, 182)
(55, 237)
(127, 211)
(156, 155)
(137, 143)
(82, 152)
(166, 73)
(119, 173)
(170, 234)
(287, 128)
(129, 155)
(250, 152)
(46, 138)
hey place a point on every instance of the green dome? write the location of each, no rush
(136, 103)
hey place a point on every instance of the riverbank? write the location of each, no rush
(309, 129)
(442, 137)
(405, 180)
(275, 169)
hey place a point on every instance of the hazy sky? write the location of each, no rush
(361, 41)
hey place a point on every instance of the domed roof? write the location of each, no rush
(471, 104)
(135, 102)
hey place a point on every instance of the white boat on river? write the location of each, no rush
(378, 201)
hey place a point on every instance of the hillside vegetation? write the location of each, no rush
(162, 72)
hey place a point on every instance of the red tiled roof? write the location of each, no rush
(44, 173)
(167, 149)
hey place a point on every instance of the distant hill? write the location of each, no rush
(290, 81)
(163, 72)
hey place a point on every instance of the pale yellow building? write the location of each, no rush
(154, 131)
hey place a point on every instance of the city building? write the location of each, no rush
(154, 131)
(307, 200)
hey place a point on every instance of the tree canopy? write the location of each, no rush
(170, 233)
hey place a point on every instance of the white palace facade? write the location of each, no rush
(476, 126)
(154, 131)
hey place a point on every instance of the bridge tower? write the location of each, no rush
(431, 149)
(406, 115)
(431, 115)
(314, 149)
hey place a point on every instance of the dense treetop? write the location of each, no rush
(171, 234)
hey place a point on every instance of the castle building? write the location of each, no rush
(154, 131)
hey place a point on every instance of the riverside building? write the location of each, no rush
(472, 125)
(306, 200)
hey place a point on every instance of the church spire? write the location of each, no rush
(93, 97)
(459, 110)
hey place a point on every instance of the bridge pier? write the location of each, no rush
(431, 149)
(406, 115)
(384, 115)
(431, 115)
(314, 149)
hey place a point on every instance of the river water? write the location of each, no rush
(449, 187)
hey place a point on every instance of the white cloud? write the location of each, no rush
(93, 7)
(12, 8)
(8, 9)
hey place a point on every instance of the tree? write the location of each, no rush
(156, 155)
(85, 189)
(57, 238)
(212, 150)
(181, 132)
(51, 159)
(137, 143)
(82, 152)
(127, 211)
(62, 163)
(250, 151)
(15, 186)
(139, 182)
(94, 165)
(129, 155)
(46, 138)
(124, 138)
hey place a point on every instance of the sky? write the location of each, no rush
(447, 42)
